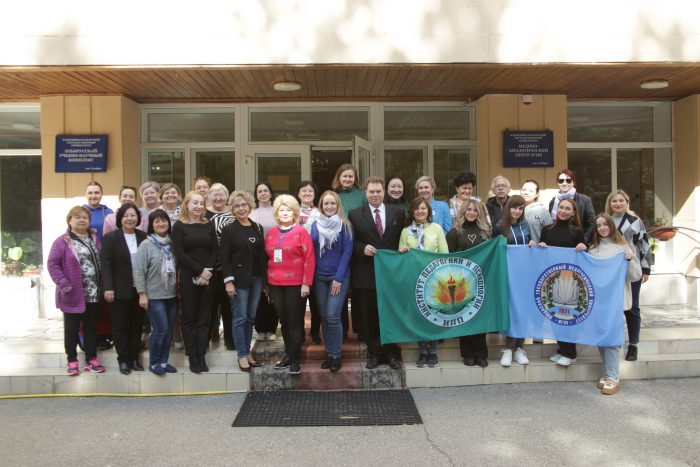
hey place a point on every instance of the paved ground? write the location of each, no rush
(647, 423)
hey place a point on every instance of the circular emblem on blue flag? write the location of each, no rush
(564, 294)
(450, 291)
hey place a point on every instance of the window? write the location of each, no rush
(177, 125)
(426, 123)
(311, 124)
(19, 128)
(627, 147)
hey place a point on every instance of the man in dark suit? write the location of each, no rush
(376, 226)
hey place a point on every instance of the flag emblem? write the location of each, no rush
(564, 294)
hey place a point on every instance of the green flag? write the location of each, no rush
(428, 296)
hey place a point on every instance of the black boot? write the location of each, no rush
(631, 353)
(195, 366)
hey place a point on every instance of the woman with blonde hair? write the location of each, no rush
(606, 242)
(632, 229)
(218, 212)
(170, 197)
(425, 188)
(244, 269)
(290, 273)
(331, 234)
(195, 247)
(470, 228)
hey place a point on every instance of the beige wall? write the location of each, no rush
(344, 31)
(498, 112)
(686, 116)
(115, 116)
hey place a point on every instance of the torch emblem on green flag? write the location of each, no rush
(429, 296)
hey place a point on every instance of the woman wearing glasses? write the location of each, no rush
(566, 180)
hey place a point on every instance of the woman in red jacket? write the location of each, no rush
(290, 272)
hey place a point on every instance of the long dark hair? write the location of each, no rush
(513, 202)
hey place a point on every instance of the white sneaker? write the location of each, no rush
(271, 336)
(520, 356)
(507, 357)
(555, 357)
(565, 361)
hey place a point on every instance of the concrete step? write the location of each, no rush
(352, 375)
(22, 381)
(454, 373)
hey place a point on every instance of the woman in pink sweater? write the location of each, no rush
(290, 272)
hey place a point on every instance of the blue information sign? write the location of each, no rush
(81, 153)
(528, 148)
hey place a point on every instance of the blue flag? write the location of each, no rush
(559, 293)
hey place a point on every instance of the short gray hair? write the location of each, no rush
(498, 177)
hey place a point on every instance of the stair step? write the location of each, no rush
(353, 375)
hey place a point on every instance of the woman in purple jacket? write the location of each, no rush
(74, 265)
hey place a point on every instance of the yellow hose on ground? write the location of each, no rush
(107, 394)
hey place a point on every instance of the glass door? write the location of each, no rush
(284, 167)
(218, 164)
(325, 163)
(361, 157)
(166, 166)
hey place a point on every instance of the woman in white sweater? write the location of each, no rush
(607, 242)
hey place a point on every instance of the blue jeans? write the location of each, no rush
(610, 359)
(161, 313)
(243, 308)
(330, 307)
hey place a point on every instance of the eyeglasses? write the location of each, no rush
(565, 180)
(239, 206)
(501, 185)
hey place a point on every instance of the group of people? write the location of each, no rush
(252, 259)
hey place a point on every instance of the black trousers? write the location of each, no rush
(220, 307)
(196, 316)
(567, 349)
(266, 319)
(365, 303)
(355, 318)
(473, 346)
(71, 325)
(290, 307)
(315, 314)
(127, 324)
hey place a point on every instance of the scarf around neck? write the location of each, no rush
(328, 230)
(163, 244)
(560, 196)
(417, 231)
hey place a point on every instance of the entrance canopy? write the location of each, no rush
(351, 82)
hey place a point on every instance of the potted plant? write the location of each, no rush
(661, 230)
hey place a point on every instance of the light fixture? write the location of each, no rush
(287, 86)
(654, 84)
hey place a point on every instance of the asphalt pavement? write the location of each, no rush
(648, 423)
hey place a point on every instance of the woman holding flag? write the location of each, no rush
(470, 229)
(606, 242)
(517, 232)
(425, 235)
(566, 232)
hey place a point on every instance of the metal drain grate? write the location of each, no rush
(328, 408)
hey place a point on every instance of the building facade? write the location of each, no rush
(425, 88)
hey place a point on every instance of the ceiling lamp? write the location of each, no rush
(287, 86)
(654, 84)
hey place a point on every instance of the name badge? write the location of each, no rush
(169, 266)
(278, 255)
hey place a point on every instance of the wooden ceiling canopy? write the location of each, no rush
(387, 82)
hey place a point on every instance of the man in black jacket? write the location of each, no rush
(375, 226)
